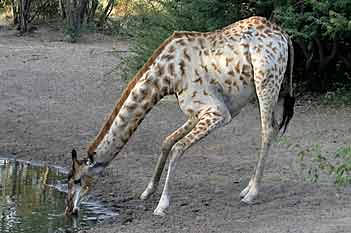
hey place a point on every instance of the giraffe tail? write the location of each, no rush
(289, 99)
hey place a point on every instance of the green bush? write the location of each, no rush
(320, 30)
(313, 163)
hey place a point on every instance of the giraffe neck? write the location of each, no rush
(157, 78)
(145, 94)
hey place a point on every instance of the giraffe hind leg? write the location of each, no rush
(166, 147)
(207, 123)
(267, 89)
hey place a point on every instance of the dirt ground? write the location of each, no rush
(54, 97)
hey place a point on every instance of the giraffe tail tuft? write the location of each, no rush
(288, 112)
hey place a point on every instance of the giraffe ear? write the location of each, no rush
(75, 162)
(74, 155)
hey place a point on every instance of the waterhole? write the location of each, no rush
(32, 199)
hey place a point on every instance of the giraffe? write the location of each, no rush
(213, 75)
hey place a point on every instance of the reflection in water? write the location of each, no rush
(31, 200)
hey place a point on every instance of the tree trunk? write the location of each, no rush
(107, 11)
(23, 12)
(92, 11)
(14, 12)
(324, 61)
(82, 10)
(72, 16)
(63, 9)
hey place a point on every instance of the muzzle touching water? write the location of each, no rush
(74, 198)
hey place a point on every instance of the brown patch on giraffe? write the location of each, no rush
(228, 60)
(231, 46)
(216, 114)
(178, 87)
(228, 82)
(231, 73)
(213, 81)
(197, 73)
(181, 42)
(131, 106)
(139, 115)
(243, 80)
(198, 80)
(121, 118)
(182, 67)
(204, 67)
(206, 52)
(155, 84)
(171, 69)
(146, 106)
(237, 67)
(260, 27)
(171, 49)
(167, 80)
(190, 111)
(201, 42)
(247, 56)
(233, 39)
(134, 96)
(198, 102)
(155, 99)
(144, 92)
(245, 45)
(246, 70)
(160, 70)
(167, 57)
(205, 92)
(186, 55)
(216, 68)
(194, 94)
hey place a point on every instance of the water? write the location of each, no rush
(32, 199)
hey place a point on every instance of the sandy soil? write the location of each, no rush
(54, 96)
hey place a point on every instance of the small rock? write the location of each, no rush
(184, 204)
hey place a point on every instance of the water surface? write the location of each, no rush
(32, 199)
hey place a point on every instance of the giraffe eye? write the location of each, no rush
(79, 181)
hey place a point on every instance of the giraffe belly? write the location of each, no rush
(238, 100)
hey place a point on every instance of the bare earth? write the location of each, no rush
(54, 96)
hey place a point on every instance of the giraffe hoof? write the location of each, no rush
(148, 192)
(248, 202)
(250, 199)
(244, 192)
(159, 212)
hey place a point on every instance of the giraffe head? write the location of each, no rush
(79, 182)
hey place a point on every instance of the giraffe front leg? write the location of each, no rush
(247, 188)
(166, 147)
(206, 124)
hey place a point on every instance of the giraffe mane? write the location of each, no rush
(108, 123)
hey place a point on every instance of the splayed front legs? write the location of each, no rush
(206, 124)
(166, 147)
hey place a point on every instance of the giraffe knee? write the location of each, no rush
(177, 150)
(167, 145)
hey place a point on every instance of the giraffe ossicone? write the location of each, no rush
(213, 75)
